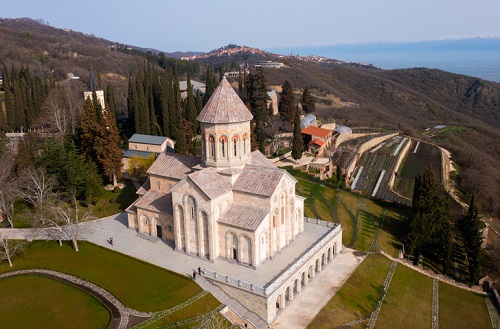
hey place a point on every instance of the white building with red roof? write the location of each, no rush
(317, 139)
(232, 204)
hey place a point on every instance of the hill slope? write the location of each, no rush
(409, 99)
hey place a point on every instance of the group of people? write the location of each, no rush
(194, 273)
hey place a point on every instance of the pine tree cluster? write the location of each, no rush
(155, 106)
(24, 95)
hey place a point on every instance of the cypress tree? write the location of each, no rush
(111, 100)
(308, 104)
(199, 102)
(9, 104)
(166, 89)
(297, 143)
(87, 130)
(471, 231)
(257, 101)
(429, 221)
(107, 149)
(286, 106)
(191, 112)
(19, 115)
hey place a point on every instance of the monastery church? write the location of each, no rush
(231, 204)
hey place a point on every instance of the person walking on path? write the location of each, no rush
(111, 241)
(194, 275)
(199, 270)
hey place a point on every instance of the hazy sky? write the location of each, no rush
(202, 25)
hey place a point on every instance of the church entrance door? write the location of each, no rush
(159, 233)
(235, 254)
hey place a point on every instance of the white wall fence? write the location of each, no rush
(281, 157)
(266, 291)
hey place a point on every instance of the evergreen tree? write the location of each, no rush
(87, 130)
(199, 102)
(286, 106)
(209, 84)
(429, 219)
(471, 231)
(93, 182)
(184, 143)
(166, 95)
(257, 101)
(24, 158)
(191, 112)
(308, 104)
(107, 149)
(297, 143)
(111, 100)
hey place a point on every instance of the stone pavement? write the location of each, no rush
(157, 252)
(304, 308)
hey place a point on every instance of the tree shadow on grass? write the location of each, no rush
(127, 196)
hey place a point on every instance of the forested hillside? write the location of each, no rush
(409, 99)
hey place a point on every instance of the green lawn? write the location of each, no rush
(138, 285)
(203, 305)
(366, 231)
(408, 303)
(459, 308)
(35, 301)
(357, 297)
(110, 203)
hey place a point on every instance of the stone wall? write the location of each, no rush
(364, 147)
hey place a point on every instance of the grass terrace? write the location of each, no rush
(31, 301)
(408, 303)
(138, 285)
(462, 309)
(358, 297)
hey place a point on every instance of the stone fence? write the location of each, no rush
(266, 291)
(281, 157)
(365, 146)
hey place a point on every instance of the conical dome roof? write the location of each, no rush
(225, 106)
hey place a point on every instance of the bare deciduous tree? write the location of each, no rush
(8, 196)
(8, 248)
(67, 223)
(36, 188)
(60, 111)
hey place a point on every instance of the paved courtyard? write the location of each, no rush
(307, 304)
(155, 251)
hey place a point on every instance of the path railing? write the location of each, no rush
(266, 291)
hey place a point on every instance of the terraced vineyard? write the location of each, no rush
(419, 157)
(375, 169)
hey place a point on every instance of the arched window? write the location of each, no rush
(245, 144)
(283, 208)
(223, 142)
(211, 142)
(158, 185)
(274, 221)
(235, 145)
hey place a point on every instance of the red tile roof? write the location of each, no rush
(317, 142)
(316, 131)
(225, 106)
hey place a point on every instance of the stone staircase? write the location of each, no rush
(232, 303)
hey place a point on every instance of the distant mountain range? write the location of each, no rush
(475, 56)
